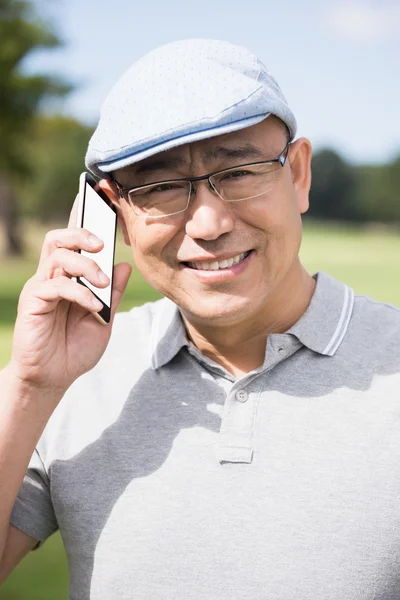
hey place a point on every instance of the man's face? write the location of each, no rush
(264, 232)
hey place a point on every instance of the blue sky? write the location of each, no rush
(338, 63)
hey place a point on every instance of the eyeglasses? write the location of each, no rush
(168, 198)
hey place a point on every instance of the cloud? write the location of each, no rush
(365, 23)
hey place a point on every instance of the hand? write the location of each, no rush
(56, 338)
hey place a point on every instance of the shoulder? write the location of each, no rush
(380, 315)
(375, 326)
(139, 318)
(96, 398)
(129, 348)
(132, 330)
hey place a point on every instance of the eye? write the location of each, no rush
(162, 187)
(235, 174)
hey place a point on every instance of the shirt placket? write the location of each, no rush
(236, 434)
(236, 442)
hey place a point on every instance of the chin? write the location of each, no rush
(218, 311)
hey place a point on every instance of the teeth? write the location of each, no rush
(216, 265)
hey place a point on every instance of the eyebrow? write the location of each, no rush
(244, 152)
(160, 164)
(247, 151)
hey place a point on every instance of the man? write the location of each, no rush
(239, 438)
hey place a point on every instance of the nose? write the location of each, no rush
(208, 216)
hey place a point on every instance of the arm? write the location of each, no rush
(24, 412)
(56, 339)
(18, 544)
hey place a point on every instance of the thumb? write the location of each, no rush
(121, 275)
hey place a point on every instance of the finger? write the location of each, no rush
(121, 275)
(72, 239)
(72, 264)
(43, 296)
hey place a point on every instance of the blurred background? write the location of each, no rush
(338, 65)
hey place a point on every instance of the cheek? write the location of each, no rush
(273, 212)
(150, 243)
(278, 217)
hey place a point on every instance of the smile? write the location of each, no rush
(221, 264)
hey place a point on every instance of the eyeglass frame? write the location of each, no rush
(281, 159)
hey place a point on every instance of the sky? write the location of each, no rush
(338, 63)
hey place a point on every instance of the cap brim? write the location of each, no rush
(105, 167)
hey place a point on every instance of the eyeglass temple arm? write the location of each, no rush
(117, 185)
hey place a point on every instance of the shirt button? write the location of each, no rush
(281, 349)
(241, 395)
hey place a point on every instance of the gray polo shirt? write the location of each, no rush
(169, 480)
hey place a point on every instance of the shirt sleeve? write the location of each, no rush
(33, 511)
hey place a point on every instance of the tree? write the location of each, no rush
(21, 97)
(55, 150)
(333, 186)
(378, 196)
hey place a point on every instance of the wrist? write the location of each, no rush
(25, 391)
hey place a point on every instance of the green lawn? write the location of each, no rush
(369, 261)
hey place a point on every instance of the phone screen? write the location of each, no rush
(100, 219)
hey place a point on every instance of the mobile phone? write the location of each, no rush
(97, 214)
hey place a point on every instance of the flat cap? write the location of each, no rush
(179, 93)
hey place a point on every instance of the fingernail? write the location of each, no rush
(102, 277)
(93, 240)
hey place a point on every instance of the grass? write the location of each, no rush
(43, 575)
(367, 260)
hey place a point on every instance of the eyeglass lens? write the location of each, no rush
(233, 185)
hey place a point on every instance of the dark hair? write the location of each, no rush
(285, 128)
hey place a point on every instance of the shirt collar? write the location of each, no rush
(168, 333)
(324, 324)
(321, 328)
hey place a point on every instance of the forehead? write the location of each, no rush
(259, 142)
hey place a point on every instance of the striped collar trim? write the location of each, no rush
(323, 326)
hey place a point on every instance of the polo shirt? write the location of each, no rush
(171, 480)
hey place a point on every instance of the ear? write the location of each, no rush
(300, 153)
(110, 189)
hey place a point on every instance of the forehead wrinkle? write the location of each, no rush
(242, 152)
(159, 164)
(148, 169)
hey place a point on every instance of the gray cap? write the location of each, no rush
(180, 93)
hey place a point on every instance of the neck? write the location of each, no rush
(240, 346)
